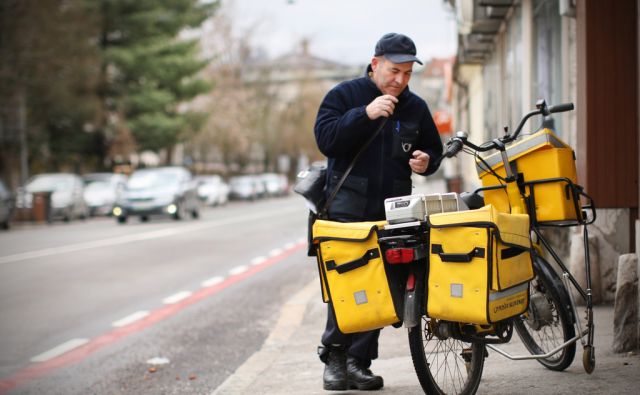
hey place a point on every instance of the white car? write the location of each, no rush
(275, 184)
(245, 187)
(213, 190)
(65, 192)
(102, 190)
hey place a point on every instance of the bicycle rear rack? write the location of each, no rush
(585, 215)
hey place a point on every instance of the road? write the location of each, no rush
(86, 306)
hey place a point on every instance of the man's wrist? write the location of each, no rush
(368, 114)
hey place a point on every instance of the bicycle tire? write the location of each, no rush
(548, 321)
(440, 365)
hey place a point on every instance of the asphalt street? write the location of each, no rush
(157, 307)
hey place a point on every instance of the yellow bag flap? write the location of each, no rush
(512, 228)
(356, 231)
(542, 139)
(461, 218)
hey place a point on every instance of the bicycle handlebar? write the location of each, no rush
(561, 107)
(453, 148)
(455, 144)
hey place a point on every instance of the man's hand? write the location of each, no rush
(381, 106)
(420, 161)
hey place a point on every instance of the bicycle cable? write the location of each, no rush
(480, 162)
(486, 166)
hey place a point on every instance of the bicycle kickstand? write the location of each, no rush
(588, 354)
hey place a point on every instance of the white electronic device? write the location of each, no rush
(417, 207)
(405, 209)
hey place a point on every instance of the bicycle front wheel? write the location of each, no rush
(445, 366)
(548, 322)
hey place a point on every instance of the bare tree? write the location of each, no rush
(239, 112)
(260, 109)
(297, 120)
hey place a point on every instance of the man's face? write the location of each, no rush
(391, 78)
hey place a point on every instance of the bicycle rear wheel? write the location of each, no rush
(446, 366)
(548, 322)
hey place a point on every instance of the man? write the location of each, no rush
(407, 141)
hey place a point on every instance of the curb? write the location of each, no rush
(289, 321)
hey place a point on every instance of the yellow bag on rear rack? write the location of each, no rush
(549, 170)
(353, 275)
(479, 265)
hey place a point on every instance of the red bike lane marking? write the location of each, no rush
(39, 369)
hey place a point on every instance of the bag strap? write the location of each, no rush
(347, 267)
(322, 213)
(477, 252)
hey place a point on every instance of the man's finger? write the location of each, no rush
(392, 98)
(418, 153)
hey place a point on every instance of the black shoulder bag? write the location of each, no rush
(316, 180)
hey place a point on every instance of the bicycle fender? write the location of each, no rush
(412, 312)
(542, 268)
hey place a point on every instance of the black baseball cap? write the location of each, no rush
(396, 47)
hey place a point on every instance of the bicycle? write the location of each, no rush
(448, 355)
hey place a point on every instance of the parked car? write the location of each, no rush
(261, 189)
(245, 187)
(101, 191)
(212, 190)
(169, 191)
(275, 184)
(6, 206)
(64, 191)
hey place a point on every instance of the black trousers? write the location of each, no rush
(362, 345)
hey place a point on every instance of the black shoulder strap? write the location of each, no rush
(325, 208)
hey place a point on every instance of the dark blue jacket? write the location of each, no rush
(382, 171)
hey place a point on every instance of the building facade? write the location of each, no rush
(512, 53)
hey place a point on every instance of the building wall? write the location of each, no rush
(472, 122)
(570, 79)
(590, 59)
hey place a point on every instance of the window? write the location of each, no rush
(503, 78)
(547, 56)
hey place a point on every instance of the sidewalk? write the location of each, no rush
(288, 364)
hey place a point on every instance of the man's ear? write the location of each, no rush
(374, 63)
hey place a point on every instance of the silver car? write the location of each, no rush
(168, 191)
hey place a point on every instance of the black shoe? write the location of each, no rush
(360, 377)
(335, 370)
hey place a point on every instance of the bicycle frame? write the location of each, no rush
(522, 200)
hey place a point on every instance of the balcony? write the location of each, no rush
(478, 22)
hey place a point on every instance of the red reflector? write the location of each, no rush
(411, 282)
(399, 255)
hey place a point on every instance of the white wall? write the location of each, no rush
(475, 125)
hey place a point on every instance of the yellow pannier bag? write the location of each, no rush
(353, 275)
(479, 265)
(542, 156)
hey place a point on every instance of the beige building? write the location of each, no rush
(512, 53)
